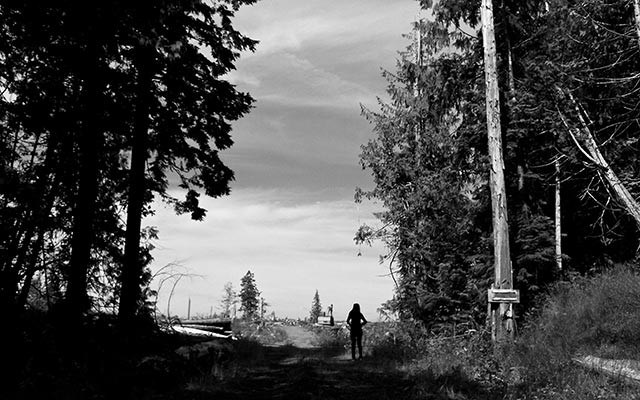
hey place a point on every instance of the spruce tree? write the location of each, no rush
(316, 308)
(249, 296)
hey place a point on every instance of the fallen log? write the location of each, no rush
(208, 328)
(628, 370)
(225, 324)
(199, 332)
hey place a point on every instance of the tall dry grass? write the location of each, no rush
(598, 316)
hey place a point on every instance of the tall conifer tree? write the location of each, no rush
(249, 296)
(316, 308)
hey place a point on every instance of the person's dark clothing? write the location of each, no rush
(356, 321)
(356, 339)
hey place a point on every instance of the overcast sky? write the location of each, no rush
(291, 218)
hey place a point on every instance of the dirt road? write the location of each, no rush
(300, 337)
(299, 369)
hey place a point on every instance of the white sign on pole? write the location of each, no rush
(503, 296)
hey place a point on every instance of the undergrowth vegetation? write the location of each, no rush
(597, 316)
(266, 334)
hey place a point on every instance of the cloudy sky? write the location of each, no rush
(291, 217)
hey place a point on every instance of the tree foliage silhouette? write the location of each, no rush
(316, 308)
(249, 296)
(97, 118)
(229, 300)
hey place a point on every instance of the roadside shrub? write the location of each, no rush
(266, 334)
(437, 358)
(331, 340)
(395, 340)
(410, 344)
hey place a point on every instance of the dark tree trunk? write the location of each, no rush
(132, 269)
(90, 146)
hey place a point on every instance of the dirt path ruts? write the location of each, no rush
(300, 370)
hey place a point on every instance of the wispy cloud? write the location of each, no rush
(290, 25)
(316, 62)
(297, 82)
(313, 53)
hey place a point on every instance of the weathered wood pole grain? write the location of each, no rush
(502, 259)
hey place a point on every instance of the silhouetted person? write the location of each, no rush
(356, 321)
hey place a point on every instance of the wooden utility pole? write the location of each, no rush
(500, 312)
